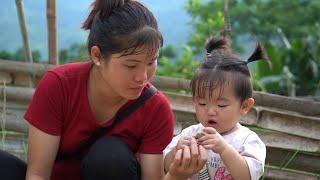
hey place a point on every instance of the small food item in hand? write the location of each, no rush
(199, 135)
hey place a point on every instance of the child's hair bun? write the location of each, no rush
(214, 43)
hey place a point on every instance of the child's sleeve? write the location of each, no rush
(254, 152)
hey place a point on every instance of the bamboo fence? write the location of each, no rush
(290, 127)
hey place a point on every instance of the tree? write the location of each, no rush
(76, 52)
(168, 51)
(19, 55)
(266, 20)
(288, 29)
(5, 55)
(180, 67)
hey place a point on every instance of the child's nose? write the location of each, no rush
(212, 111)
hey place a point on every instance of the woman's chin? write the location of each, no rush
(132, 96)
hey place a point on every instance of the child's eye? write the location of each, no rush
(202, 104)
(222, 106)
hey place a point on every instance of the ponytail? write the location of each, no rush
(259, 54)
(101, 9)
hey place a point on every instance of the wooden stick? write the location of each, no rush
(24, 32)
(52, 32)
(304, 106)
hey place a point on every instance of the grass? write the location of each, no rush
(4, 132)
(4, 117)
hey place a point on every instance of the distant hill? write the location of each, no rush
(70, 14)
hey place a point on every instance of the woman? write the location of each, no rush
(75, 100)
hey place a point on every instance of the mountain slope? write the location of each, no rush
(70, 14)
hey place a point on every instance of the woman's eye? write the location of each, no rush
(130, 67)
(152, 63)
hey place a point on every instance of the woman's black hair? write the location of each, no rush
(122, 26)
(221, 67)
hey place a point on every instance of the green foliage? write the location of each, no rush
(168, 52)
(19, 55)
(296, 19)
(205, 22)
(5, 55)
(295, 71)
(76, 52)
(182, 67)
(267, 20)
(289, 30)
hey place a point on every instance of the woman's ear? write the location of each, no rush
(96, 55)
(246, 106)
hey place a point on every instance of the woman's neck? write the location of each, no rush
(101, 92)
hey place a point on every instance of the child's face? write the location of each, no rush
(221, 111)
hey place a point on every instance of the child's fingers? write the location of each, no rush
(206, 137)
(208, 146)
(208, 141)
(209, 130)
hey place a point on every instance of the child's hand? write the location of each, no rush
(212, 140)
(183, 141)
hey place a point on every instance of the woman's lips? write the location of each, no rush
(137, 88)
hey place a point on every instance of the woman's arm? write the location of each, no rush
(168, 159)
(42, 151)
(151, 166)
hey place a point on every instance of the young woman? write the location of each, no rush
(74, 101)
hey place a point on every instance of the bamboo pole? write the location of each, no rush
(52, 32)
(227, 26)
(262, 117)
(298, 105)
(24, 32)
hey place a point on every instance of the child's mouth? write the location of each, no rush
(212, 122)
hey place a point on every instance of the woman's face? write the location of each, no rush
(127, 75)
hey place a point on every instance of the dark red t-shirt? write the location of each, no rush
(60, 107)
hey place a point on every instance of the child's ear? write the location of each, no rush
(246, 106)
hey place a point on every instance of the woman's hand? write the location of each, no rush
(183, 141)
(187, 161)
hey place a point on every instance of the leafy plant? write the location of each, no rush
(182, 67)
(295, 71)
(292, 45)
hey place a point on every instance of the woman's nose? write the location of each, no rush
(141, 76)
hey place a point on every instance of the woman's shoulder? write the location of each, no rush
(157, 106)
(158, 98)
(65, 77)
(72, 69)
